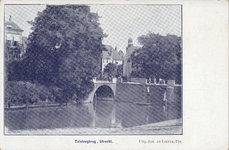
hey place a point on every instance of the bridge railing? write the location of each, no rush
(114, 80)
(138, 81)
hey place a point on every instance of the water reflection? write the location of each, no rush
(122, 114)
(104, 113)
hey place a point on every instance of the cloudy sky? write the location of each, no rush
(120, 22)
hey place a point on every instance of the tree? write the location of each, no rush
(119, 71)
(159, 57)
(110, 70)
(64, 49)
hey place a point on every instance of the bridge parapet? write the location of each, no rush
(164, 97)
(135, 88)
(114, 80)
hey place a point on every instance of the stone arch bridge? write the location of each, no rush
(135, 92)
(166, 97)
(102, 89)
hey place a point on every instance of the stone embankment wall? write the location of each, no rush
(167, 100)
(130, 93)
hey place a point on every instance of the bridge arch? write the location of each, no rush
(108, 89)
(103, 100)
(104, 91)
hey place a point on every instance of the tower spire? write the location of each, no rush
(130, 42)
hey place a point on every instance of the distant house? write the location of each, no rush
(127, 69)
(14, 42)
(110, 55)
(121, 53)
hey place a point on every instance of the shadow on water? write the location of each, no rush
(41, 118)
(121, 114)
(104, 112)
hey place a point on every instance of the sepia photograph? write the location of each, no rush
(93, 69)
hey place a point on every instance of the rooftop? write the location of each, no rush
(115, 55)
(106, 54)
(10, 25)
(111, 53)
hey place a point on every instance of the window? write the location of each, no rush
(8, 26)
(15, 43)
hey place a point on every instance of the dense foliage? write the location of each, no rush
(19, 93)
(160, 57)
(63, 50)
(112, 70)
(119, 71)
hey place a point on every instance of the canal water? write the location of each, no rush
(123, 114)
(101, 114)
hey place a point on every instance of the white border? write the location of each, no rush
(205, 90)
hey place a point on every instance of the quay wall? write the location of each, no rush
(135, 93)
(166, 100)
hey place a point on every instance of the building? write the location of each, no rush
(111, 55)
(121, 53)
(14, 42)
(127, 69)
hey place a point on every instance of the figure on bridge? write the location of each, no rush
(154, 80)
(110, 79)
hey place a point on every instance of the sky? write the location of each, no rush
(119, 22)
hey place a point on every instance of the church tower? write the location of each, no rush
(130, 43)
(127, 65)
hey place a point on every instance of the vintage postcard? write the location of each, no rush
(112, 75)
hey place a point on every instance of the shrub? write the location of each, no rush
(18, 92)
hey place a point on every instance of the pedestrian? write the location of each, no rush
(109, 78)
(155, 80)
(160, 81)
